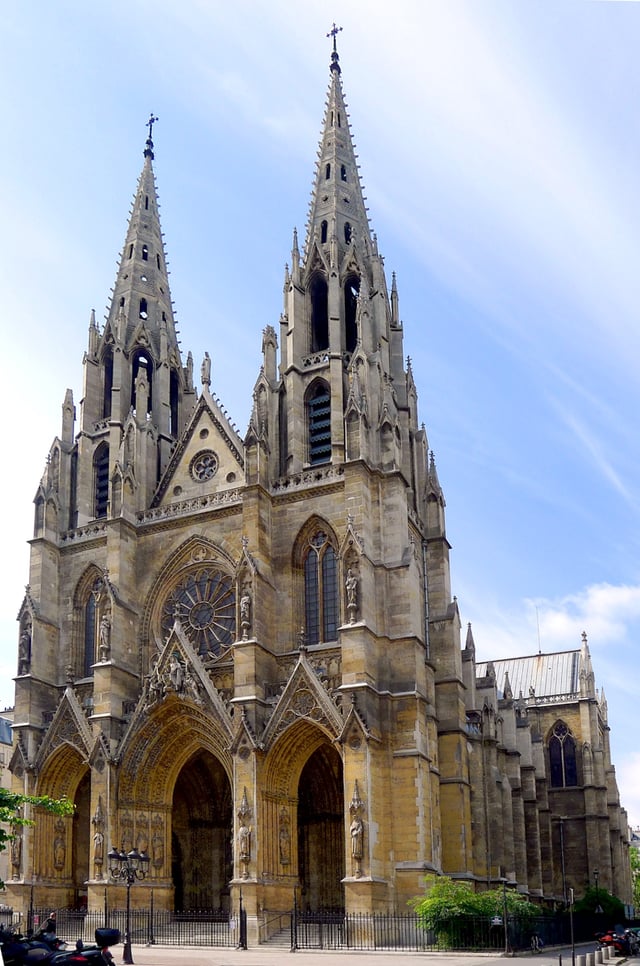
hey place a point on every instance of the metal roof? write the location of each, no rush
(550, 675)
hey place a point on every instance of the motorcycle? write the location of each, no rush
(615, 938)
(48, 950)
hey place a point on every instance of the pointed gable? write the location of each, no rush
(208, 459)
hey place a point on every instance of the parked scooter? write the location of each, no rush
(44, 949)
(615, 938)
(92, 955)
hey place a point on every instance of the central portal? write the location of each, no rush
(201, 840)
(321, 832)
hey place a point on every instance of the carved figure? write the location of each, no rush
(284, 838)
(357, 832)
(351, 586)
(24, 652)
(245, 614)
(244, 842)
(176, 674)
(98, 847)
(157, 850)
(105, 638)
(205, 370)
(189, 371)
(59, 851)
(16, 852)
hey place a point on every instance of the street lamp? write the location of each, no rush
(128, 866)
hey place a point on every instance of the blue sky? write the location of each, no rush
(499, 145)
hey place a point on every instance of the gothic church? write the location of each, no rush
(242, 655)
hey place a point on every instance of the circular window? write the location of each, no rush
(205, 604)
(204, 466)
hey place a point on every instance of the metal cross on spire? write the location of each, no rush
(334, 33)
(152, 120)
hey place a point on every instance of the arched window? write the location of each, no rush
(141, 360)
(327, 172)
(319, 296)
(320, 590)
(343, 172)
(319, 422)
(563, 771)
(101, 480)
(143, 311)
(347, 232)
(323, 232)
(351, 292)
(145, 253)
(173, 402)
(90, 633)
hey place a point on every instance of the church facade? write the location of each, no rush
(242, 656)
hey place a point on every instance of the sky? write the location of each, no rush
(499, 145)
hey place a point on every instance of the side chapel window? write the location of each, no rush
(320, 590)
(562, 757)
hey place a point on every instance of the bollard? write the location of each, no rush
(598, 955)
(591, 959)
(581, 960)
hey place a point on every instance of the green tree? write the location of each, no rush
(447, 900)
(634, 856)
(611, 906)
(12, 808)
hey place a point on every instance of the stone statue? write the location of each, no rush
(176, 674)
(284, 838)
(351, 587)
(357, 832)
(59, 849)
(98, 847)
(189, 371)
(104, 649)
(244, 843)
(205, 370)
(24, 652)
(245, 614)
(157, 850)
(16, 851)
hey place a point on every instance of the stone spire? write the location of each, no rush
(141, 301)
(337, 215)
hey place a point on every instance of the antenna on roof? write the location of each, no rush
(538, 626)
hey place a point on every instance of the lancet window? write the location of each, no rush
(101, 480)
(562, 757)
(319, 298)
(320, 589)
(319, 423)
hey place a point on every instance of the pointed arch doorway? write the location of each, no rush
(201, 835)
(321, 834)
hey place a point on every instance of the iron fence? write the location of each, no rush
(192, 927)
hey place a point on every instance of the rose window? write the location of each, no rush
(205, 604)
(204, 466)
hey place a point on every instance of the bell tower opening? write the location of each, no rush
(319, 296)
(201, 840)
(321, 835)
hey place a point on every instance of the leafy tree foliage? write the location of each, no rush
(12, 812)
(610, 905)
(634, 855)
(446, 898)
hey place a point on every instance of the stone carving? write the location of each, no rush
(59, 846)
(245, 614)
(356, 830)
(104, 647)
(351, 588)
(24, 650)
(205, 370)
(244, 835)
(284, 836)
(98, 839)
(16, 850)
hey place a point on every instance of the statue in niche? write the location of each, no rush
(351, 587)
(284, 837)
(98, 839)
(24, 651)
(59, 847)
(245, 614)
(16, 851)
(244, 843)
(157, 849)
(104, 646)
(357, 832)
(176, 674)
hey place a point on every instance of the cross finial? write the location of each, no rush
(152, 120)
(334, 33)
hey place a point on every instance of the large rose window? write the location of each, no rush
(205, 604)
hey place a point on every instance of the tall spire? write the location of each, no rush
(337, 215)
(141, 301)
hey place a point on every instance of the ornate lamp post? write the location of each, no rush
(128, 866)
